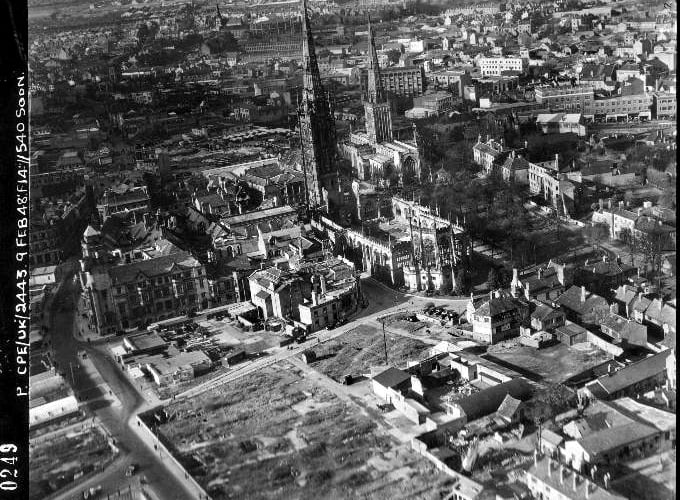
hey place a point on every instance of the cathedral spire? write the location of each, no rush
(317, 127)
(376, 107)
(375, 91)
(220, 19)
(311, 79)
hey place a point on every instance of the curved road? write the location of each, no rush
(116, 418)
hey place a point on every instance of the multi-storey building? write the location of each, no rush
(620, 106)
(44, 244)
(133, 295)
(438, 102)
(135, 199)
(312, 296)
(495, 66)
(664, 105)
(374, 154)
(496, 318)
(406, 81)
(489, 153)
(575, 98)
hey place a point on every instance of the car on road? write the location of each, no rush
(131, 469)
(331, 326)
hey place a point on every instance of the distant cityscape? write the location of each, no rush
(374, 249)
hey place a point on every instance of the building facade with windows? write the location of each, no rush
(134, 295)
(495, 66)
(573, 98)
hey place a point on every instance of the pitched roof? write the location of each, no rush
(509, 407)
(544, 312)
(615, 437)
(625, 329)
(571, 299)
(489, 400)
(392, 377)
(661, 312)
(496, 306)
(90, 231)
(152, 267)
(625, 294)
(632, 374)
(539, 470)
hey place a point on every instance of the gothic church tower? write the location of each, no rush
(317, 126)
(376, 107)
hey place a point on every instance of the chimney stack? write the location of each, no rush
(557, 161)
(539, 273)
(583, 294)
(323, 285)
(609, 203)
(535, 458)
(549, 467)
(575, 481)
(562, 473)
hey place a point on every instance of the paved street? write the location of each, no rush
(382, 302)
(114, 417)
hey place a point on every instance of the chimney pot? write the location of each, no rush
(583, 294)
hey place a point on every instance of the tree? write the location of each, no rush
(462, 279)
(493, 279)
(597, 233)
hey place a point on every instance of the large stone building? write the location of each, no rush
(312, 295)
(374, 154)
(415, 247)
(317, 126)
(573, 98)
(121, 297)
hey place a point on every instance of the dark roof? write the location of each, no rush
(392, 377)
(152, 267)
(496, 306)
(625, 329)
(608, 268)
(571, 299)
(489, 400)
(544, 312)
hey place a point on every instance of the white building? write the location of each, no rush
(494, 66)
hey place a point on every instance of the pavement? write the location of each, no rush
(382, 301)
(109, 395)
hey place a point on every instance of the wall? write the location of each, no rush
(603, 344)
(151, 440)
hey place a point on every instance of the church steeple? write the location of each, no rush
(220, 19)
(375, 91)
(317, 126)
(376, 107)
(312, 88)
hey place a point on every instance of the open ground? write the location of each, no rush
(280, 435)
